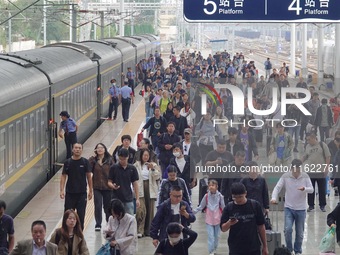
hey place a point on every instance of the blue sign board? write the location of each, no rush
(262, 10)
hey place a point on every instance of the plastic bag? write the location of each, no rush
(327, 244)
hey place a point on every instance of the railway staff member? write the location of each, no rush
(115, 98)
(127, 97)
(70, 128)
(7, 229)
(38, 245)
(76, 171)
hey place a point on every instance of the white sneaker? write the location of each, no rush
(212, 253)
(298, 254)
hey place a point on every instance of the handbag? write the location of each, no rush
(272, 158)
(267, 223)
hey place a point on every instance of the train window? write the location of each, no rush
(68, 103)
(25, 139)
(31, 135)
(81, 100)
(71, 105)
(18, 144)
(93, 94)
(37, 130)
(77, 105)
(10, 147)
(2, 152)
(42, 128)
(87, 97)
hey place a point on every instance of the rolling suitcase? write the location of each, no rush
(203, 189)
(273, 236)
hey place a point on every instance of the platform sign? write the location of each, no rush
(262, 10)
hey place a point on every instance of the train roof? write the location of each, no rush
(58, 60)
(121, 45)
(19, 78)
(104, 49)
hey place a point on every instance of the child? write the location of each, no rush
(213, 201)
(174, 245)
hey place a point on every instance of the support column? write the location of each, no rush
(336, 86)
(292, 48)
(102, 25)
(121, 21)
(45, 21)
(9, 32)
(233, 40)
(74, 23)
(132, 24)
(320, 53)
(304, 52)
(199, 36)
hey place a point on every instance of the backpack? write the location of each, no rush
(205, 208)
(269, 65)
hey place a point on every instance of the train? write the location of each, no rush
(36, 85)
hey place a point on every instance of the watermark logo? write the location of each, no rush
(239, 104)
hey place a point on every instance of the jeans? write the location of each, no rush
(324, 133)
(154, 141)
(148, 110)
(76, 201)
(299, 217)
(213, 235)
(295, 131)
(101, 197)
(129, 208)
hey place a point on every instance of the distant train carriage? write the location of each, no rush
(36, 86)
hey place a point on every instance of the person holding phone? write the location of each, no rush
(149, 174)
(245, 220)
(121, 176)
(121, 230)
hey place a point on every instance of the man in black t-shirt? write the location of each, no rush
(75, 173)
(121, 176)
(6, 230)
(220, 157)
(245, 220)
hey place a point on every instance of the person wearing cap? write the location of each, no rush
(297, 185)
(70, 128)
(115, 98)
(127, 96)
(121, 176)
(190, 148)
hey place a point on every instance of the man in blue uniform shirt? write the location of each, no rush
(127, 97)
(115, 98)
(70, 128)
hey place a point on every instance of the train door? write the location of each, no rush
(53, 138)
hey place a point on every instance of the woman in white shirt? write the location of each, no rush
(222, 124)
(188, 113)
(121, 230)
(149, 175)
